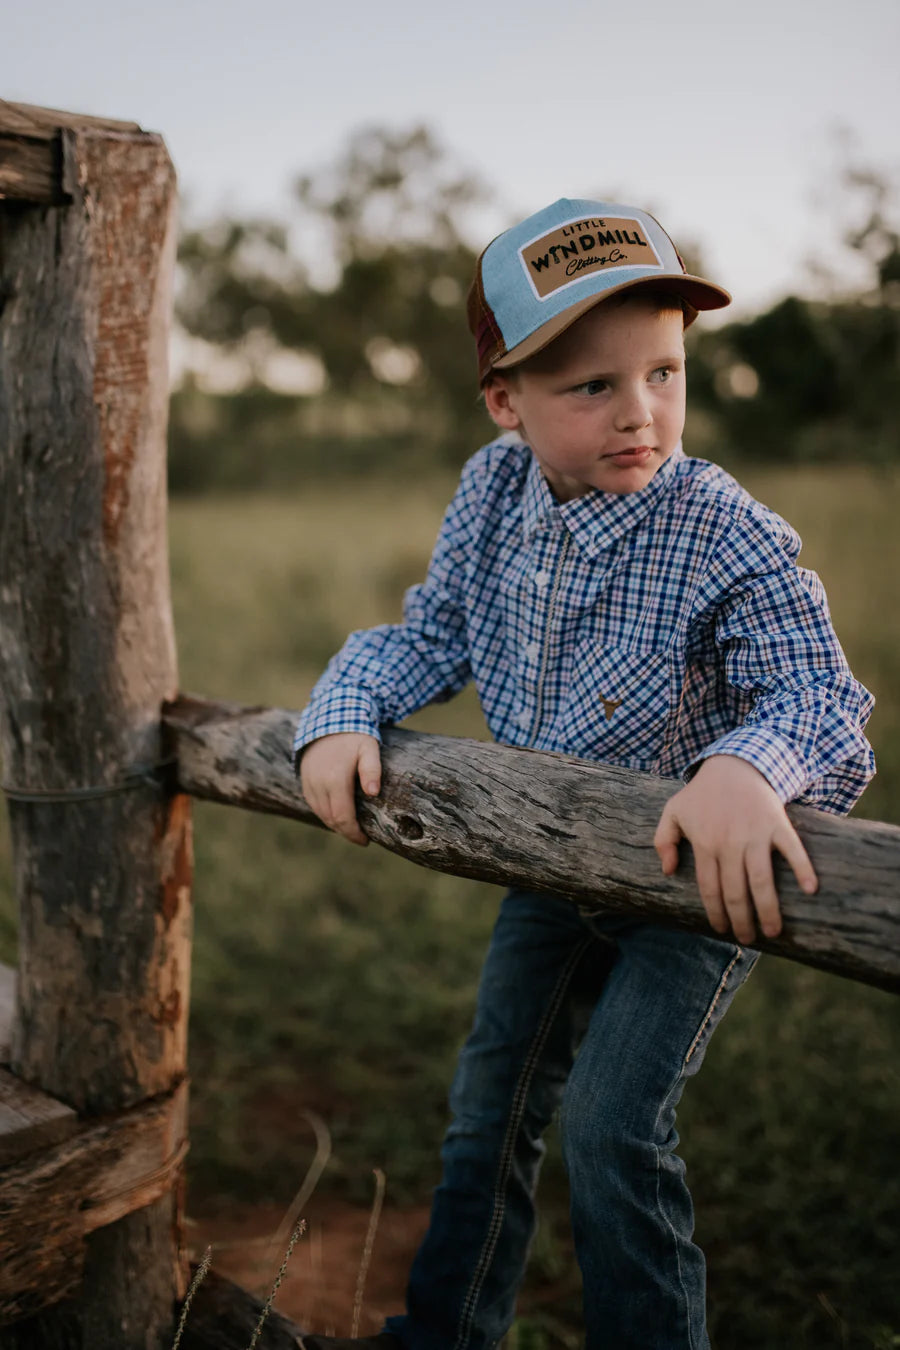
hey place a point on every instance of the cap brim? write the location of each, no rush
(698, 293)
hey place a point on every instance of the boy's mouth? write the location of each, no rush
(634, 454)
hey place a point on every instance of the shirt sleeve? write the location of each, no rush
(804, 727)
(384, 674)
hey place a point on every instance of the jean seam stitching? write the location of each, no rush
(712, 1007)
(671, 1227)
(675, 1081)
(518, 1109)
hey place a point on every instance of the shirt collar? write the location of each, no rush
(599, 518)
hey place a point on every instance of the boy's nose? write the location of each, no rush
(633, 413)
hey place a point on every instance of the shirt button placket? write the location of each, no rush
(554, 542)
(540, 581)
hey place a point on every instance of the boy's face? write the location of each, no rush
(603, 406)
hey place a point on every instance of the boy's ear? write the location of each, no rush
(499, 401)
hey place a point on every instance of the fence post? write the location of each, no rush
(87, 655)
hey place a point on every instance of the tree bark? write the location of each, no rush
(87, 655)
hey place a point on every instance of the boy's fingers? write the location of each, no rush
(666, 840)
(348, 826)
(342, 816)
(369, 768)
(787, 841)
(318, 802)
(762, 888)
(707, 869)
(736, 897)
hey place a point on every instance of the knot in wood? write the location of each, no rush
(410, 828)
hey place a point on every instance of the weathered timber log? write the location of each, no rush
(50, 1202)
(8, 982)
(31, 119)
(86, 639)
(31, 157)
(55, 1328)
(31, 168)
(87, 654)
(552, 823)
(224, 1317)
(30, 1120)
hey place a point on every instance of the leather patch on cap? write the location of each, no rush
(580, 247)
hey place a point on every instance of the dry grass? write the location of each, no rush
(199, 1276)
(377, 1202)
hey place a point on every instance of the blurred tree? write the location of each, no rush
(817, 379)
(873, 234)
(375, 304)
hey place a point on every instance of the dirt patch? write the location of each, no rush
(319, 1287)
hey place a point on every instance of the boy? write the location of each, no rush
(615, 600)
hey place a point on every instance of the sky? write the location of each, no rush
(719, 118)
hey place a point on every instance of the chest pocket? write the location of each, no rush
(618, 706)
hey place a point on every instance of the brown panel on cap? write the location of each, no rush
(698, 293)
(568, 252)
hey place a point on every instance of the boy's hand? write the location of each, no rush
(733, 819)
(329, 768)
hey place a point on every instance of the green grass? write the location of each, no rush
(342, 980)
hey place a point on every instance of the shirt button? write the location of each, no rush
(533, 651)
(524, 718)
(541, 580)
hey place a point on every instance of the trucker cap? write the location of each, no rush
(538, 277)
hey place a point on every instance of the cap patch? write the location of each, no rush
(574, 250)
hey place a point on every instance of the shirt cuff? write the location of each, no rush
(776, 759)
(341, 708)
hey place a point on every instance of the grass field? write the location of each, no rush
(342, 980)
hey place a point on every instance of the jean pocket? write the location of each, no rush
(618, 706)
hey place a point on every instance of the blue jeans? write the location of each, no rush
(604, 1017)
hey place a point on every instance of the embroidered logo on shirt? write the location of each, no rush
(570, 251)
(610, 705)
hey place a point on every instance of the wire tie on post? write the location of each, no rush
(139, 775)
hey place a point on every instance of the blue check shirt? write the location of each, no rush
(649, 630)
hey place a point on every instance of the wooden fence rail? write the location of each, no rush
(552, 823)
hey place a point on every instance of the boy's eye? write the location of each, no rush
(591, 387)
(663, 374)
